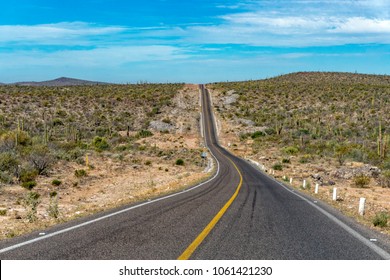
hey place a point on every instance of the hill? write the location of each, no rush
(63, 81)
(332, 77)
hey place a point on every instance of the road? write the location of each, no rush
(240, 213)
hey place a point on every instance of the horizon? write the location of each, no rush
(182, 82)
(194, 42)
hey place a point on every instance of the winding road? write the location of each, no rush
(240, 213)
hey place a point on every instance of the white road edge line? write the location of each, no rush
(382, 253)
(13, 247)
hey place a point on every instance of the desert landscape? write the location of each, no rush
(68, 152)
(329, 129)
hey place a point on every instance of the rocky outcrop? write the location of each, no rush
(161, 126)
(351, 172)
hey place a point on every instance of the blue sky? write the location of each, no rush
(197, 41)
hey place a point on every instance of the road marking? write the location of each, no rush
(42, 237)
(199, 239)
(378, 250)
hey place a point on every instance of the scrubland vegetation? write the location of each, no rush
(303, 119)
(55, 140)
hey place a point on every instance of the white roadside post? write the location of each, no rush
(316, 189)
(362, 203)
(334, 194)
(291, 180)
(304, 184)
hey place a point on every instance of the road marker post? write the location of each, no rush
(316, 189)
(362, 203)
(334, 194)
(304, 184)
(291, 180)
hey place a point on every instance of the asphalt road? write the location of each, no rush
(241, 213)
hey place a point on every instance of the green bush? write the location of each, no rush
(80, 173)
(257, 134)
(286, 160)
(303, 160)
(361, 181)
(100, 143)
(290, 150)
(6, 178)
(28, 174)
(381, 219)
(3, 212)
(8, 162)
(277, 166)
(56, 182)
(179, 162)
(29, 185)
(144, 133)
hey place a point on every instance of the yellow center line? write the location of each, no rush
(199, 239)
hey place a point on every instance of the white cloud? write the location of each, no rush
(56, 33)
(363, 25)
(100, 57)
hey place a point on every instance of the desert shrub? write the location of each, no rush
(57, 122)
(31, 202)
(290, 150)
(41, 158)
(3, 212)
(361, 181)
(167, 120)
(148, 162)
(381, 219)
(341, 152)
(305, 159)
(144, 133)
(6, 178)
(100, 143)
(244, 136)
(385, 179)
(53, 205)
(270, 131)
(277, 166)
(80, 173)
(286, 160)
(102, 131)
(8, 162)
(28, 174)
(257, 134)
(24, 138)
(56, 182)
(29, 185)
(179, 162)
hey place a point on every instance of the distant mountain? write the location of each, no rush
(63, 81)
